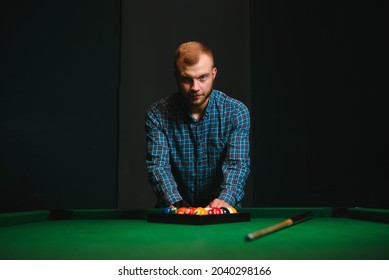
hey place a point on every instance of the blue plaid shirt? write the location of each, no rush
(198, 160)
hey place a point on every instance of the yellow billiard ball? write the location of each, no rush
(200, 211)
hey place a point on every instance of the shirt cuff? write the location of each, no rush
(228, 198)
(171, 199)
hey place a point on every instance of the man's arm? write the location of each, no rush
(157, 162)
(236, 166)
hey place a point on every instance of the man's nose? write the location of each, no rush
(195, 85)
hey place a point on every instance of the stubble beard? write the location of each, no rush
(198, 103)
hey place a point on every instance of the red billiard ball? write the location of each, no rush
(214, 211)
(190, 210)
(181, 210)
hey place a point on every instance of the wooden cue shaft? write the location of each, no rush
(273, 228)
(288, 222)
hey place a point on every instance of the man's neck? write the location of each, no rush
(197, 116)
(197, 112)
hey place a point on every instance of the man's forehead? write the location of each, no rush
(195, 73)
(202, 67)
(203, 61)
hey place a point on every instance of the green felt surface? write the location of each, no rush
(119, 238)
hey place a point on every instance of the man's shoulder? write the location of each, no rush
(164, 105)
(228, 102)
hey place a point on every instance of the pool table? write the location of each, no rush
(331, 234)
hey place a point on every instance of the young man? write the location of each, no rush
(198, 138)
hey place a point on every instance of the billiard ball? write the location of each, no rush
(181, 210)
(224, 210)
(166, 210)
(189, 210)
(200, 211)
(232, 210)
(173, 210)
(214, 211)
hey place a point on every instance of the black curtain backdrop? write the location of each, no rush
(59, 65)
(319, 72)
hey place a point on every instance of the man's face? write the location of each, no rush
(195, 82)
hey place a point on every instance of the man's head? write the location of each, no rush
(195, 72)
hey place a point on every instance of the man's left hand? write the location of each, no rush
(218, 203)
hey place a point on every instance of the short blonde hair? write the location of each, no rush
(189, 54)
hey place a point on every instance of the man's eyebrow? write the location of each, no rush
(190, 77)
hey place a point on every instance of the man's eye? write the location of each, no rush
(185, 80)
(203, 78)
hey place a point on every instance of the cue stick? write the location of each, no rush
(288, 222)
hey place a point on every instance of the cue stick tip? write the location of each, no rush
(248, 237)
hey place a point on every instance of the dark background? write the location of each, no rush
(58, 104)
(319, 72)
(77, 77)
